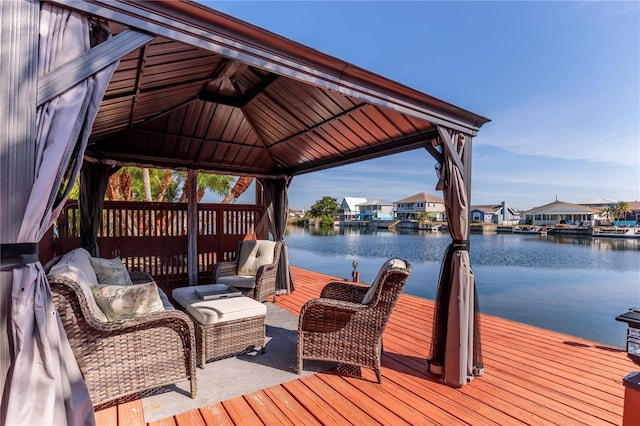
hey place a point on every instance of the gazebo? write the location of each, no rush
(174, 84)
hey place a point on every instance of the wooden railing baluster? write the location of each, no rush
(152, 236)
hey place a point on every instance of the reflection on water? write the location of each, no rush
(575, 285)
(601, 243)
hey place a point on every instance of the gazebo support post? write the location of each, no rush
(192, 225)
(17, 151)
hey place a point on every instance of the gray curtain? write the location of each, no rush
(94, 178)
(44, 384)
(276, 202)
(455, 350)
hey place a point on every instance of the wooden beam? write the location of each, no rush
(437, 155)
(451, 150)
(68, 75)
(188, 23)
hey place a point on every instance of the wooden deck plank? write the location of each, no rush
(365, 399)
(240, 412)
(215, 414)
(312, 403)
(131, 413)
(532, 376)
(267, 410)
(190, 418)
(469, 409)
(169, 421)
(107, 416)
(346, 407)
(291, 407)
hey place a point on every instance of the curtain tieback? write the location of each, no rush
(460, 245)
(17, 255)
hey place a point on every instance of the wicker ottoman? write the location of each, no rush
(225, 326)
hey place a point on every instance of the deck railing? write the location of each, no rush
(153, 236)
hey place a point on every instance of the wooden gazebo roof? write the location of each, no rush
(210, 92)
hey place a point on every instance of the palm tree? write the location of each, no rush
(608, 212)
(622, 209)
(218, 184)
(241, 185)
(165, 184)
(146, 181)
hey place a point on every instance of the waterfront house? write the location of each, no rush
(484, 213)
(296, 214)
(560, 212)
(630, 217)
(376, 210)
(634, 214)
(349, 209)
(599, 203)
(409, 208)
(495, 213)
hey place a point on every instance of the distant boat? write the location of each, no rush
(428, 227)
(562, 229)
(616, 232)
(530, 229)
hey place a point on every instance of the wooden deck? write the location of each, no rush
(532, 376)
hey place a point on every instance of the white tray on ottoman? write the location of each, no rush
(225, 326)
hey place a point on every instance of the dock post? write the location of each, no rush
(631, 411)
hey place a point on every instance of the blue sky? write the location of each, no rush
(559, 80)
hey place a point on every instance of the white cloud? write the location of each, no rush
(579, 130)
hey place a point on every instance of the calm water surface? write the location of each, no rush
(573, 285)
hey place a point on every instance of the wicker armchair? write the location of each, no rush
(346, 323)
(254, 270)
(120, 359)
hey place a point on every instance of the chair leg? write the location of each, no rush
(379, 375)
(378, 372)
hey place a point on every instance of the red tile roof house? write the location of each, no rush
(409, 208)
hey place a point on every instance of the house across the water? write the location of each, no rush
(376, 210)
(561, 213)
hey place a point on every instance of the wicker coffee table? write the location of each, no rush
(225, 326)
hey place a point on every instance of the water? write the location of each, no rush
(573, 285)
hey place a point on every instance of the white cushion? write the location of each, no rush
(76, 266)
(238, 281)
(120, 302)
(217, 311)
(77, 260)
(389, 264)
(253, 254)
(110, 271)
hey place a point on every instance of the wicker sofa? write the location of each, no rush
(119, 359)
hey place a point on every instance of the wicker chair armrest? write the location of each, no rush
(316, 312)
(344, 291)
(145, 321)
(223, 269)
(140, 277)
(266, 272)
(152, 319)
(74, 287)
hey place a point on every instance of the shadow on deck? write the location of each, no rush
(532, 376)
